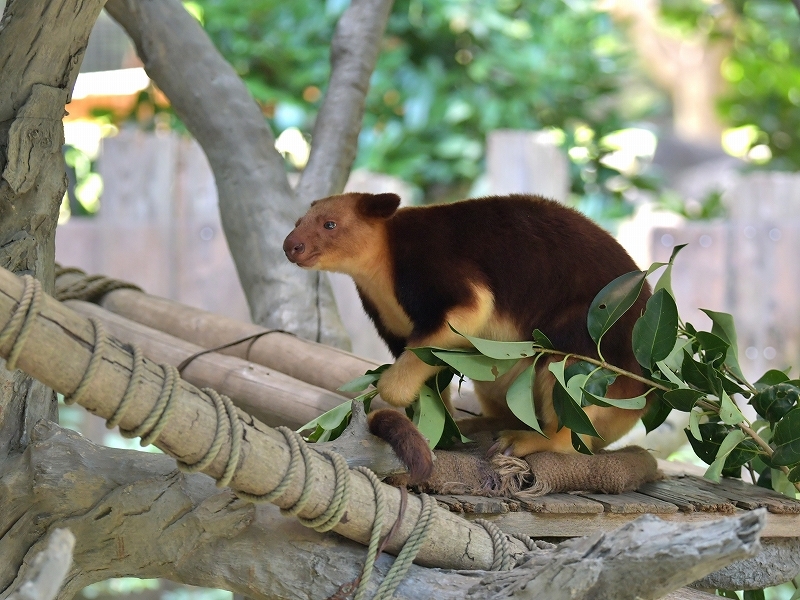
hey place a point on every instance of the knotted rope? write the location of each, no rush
(229, 429)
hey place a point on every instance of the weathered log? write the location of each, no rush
(58, 351)
(45, 575)
(134, 513)
(643, 559)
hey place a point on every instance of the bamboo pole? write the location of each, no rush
(268, 395)
(58, 350)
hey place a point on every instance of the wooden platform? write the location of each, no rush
(687, 498)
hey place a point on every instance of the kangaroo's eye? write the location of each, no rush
(329, 225)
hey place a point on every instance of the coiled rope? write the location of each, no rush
(229, 429)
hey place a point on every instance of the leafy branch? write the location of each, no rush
(685, 369)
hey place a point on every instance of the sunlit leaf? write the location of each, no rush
(636, 403)
(330, 419)
(694, 424)
(519, 398)
(675, 358)
(430, 416)
(361, 383)
(426, 355)
(475, 366)
(612, 302)
(729, 412)
(665, 281)
(672, 377)
(656, 331)
(501, 350)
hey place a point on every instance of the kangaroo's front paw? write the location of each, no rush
(397, 388)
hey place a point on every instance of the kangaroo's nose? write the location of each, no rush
(293, 248)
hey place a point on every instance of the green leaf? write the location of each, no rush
(794, 474)
(665, 281)
(753, 594)
(771, 377)
(475, 366)
(519, 398)
(724, 327)
(701, 375)
(501, 350)
(570, 414)
(579, 445)
(429, 416)
(542, 340)
(775, 401)
(786, 437)
(426, 355)
(675, 357)
(656, 331)
(667, 372)
(330, 419)
(729, 412)
(612, 302)
(682, 399)
(636, 403)
(361, 383)
(714, 348)
(657, 414)
(694, 425)
(732, 439)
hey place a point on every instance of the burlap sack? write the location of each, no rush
(468, 472)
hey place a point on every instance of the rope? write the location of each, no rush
(410, 550)
(253, 338)
(89, 287)
(229, 426)
(375, 534)
(19, 325)
(100, 341)
(503, 560)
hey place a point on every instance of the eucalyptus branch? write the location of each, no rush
(608, 366)
(738, 379)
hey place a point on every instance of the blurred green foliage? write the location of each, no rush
(763, 68)
(450, 71)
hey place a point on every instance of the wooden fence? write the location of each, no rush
(159, 227)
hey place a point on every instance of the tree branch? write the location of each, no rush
(45, 576)
(256, 203)
(134, 514)
(354, 52)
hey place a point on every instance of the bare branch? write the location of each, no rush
(354, 52)
(46, 575)
(256, 203)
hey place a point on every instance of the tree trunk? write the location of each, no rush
(42, 43)
(257, 206)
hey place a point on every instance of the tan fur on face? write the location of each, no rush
(356, 246)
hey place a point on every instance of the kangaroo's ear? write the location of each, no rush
(378, 206)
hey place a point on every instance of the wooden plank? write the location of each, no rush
(481, 505)
(562, 504)
(571, 525)
(632, 503)
(687, 497)
(746, 495)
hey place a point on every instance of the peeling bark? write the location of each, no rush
(42, 43)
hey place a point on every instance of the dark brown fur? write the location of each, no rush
(496, 267)
(406, 441)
